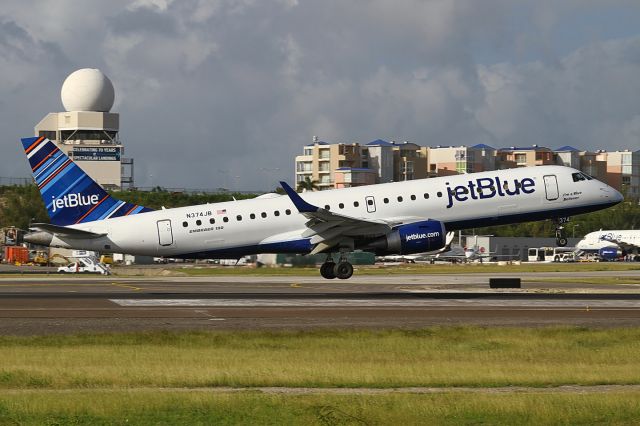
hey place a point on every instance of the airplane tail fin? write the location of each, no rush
(69, 194)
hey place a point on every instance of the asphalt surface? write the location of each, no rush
(32, 306)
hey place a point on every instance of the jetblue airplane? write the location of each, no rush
(402, 217)
(612, 244)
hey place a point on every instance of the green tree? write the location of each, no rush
(307, 185)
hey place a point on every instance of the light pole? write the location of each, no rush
(574, 230)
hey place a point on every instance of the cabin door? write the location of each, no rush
(371, 204)
(165, 234)
(551, 187)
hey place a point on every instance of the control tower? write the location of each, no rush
(87, 132)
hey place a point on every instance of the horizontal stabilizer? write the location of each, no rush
(64, 231)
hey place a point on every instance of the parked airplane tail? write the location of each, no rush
(69, 194)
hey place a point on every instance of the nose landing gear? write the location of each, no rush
(342, 270)
(561, 238)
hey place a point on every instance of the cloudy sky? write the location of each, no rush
(226, 92)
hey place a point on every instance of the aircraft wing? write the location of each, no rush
(328, 229)
(64, 231)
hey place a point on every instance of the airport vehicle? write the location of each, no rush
(612, 244)
(552, 254)
(85, 262)
(401, 217)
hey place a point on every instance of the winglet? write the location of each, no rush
(301, 205)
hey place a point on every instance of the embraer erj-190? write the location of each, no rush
(401, 217)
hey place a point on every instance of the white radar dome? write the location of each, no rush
(87, 89)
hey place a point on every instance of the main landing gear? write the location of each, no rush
(341, 270)
(561, 238)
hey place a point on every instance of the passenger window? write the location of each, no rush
(225, 219)
(252, 216)
(276, 213)
(439, 194)
(238, 218)
(198, 222)
(399, 199)
(287, 212)
(386, 201)
(263, 214)
(356, 204)
(413, 197)
(185, 224)
(426, 196)
(341, 205)
(370, 202)
(212, 221)
(327, 207)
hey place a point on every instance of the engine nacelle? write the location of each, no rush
(418, 237)
(610, 253)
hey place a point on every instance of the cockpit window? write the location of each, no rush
(577, 177)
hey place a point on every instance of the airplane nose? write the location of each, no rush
(618, 197)
(612, 194)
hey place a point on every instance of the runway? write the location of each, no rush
(31, 306)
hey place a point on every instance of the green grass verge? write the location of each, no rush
(471, 268)
(199, 408)
(438, 356)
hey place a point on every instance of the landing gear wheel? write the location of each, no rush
(343, 270)
(326, 270)
(561, 238)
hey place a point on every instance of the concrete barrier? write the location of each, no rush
(504, 282)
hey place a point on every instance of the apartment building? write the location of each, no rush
(410, 161)
(445, 161)
(623, 171)
(342, 165)
(321, 159)
(508, 158)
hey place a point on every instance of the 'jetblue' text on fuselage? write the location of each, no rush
(484, 188)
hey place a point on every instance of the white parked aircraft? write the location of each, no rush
(401, 217)
(622, 241)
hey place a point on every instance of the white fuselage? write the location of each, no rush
(272, 224)
(616, 238)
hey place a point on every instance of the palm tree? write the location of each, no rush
(307, 185)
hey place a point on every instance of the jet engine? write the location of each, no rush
(610, 253)
(417, 237)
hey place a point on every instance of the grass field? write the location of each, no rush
(170, 378)
(251, 408)
(471, 268)
(441, 356)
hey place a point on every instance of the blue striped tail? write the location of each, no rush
(69, 194)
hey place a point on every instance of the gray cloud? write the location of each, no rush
(224, 93)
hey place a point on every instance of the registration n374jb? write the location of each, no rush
(401, 217)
